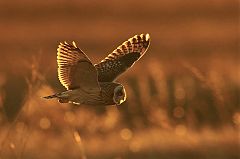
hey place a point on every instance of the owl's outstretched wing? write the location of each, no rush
(122, 58)
(75, 70)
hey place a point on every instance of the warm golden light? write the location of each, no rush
(134, 146)
(12, 146)
(20, 126)
(182, 95)
(178, 112)
(236, 119)
(111, 118)
(69, 116)
(77, 137)
(126, 134)
(181, 130)
(44, 123)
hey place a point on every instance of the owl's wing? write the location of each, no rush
(75, 70)
(122, 58)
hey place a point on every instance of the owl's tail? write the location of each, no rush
(57, 95)
(62, 97)
(51, 96)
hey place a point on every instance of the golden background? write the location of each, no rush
(183, 95)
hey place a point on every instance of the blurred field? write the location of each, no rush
(183, 95)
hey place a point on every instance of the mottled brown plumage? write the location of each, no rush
(93, 84)
(122, 58)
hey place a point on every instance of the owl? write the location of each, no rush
(91, 84)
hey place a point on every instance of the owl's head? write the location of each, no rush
(119, 95)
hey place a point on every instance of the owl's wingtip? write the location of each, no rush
(147, 36)
(74, 44)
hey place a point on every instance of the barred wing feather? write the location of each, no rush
(75, 70)
(122, 58)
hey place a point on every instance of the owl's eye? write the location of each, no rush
(119, 93)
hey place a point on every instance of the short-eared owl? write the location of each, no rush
(93, 84)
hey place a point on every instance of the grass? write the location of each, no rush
(181, 113)
(183, 95)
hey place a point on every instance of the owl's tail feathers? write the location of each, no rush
(62, 97)
(51, 96)
(57, 95)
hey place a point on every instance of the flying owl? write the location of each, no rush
(94, 84)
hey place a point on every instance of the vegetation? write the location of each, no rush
(183, 95)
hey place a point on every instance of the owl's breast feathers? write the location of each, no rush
(107, 92)
(105, 97)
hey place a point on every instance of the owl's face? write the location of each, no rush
(119, 95)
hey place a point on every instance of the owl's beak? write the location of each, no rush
(118, 101)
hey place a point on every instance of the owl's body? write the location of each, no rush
(79, 96)
(90, 84)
